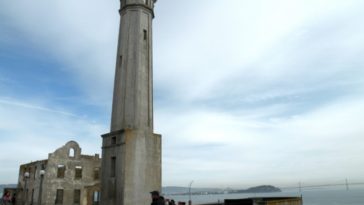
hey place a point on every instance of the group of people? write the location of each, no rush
(7, 199)
(159, 200)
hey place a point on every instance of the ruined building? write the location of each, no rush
(66, 177)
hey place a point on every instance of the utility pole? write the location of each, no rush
(41, 173)
(26, 177)
(300, 187)
(189, 191)
(347, 184)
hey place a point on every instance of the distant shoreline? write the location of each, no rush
(181, 191)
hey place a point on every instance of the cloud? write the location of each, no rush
(279, 151)
(30, 131)
(82, 35)
(35, 107)
(246, 92)
(254, 47)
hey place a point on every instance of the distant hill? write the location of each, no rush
(260, 189)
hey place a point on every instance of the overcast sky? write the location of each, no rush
(247, 92)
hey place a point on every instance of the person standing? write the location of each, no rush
(156, 198)
(6, 198)
(13, 199)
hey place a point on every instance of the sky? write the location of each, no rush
(247, 92)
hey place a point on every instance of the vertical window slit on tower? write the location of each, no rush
(113, 140)
(113, 167)
(120, 61)
(145, 34)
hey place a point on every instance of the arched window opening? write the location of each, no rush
(71, 153)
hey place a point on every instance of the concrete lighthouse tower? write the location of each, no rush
(131, 152)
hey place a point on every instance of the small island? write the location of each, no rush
(258, 189)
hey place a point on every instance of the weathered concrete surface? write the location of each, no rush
(133, 87)
(131, 156)
(138, 167)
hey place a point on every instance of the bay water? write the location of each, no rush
(354, 196)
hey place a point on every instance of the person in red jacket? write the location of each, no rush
(6, 198)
